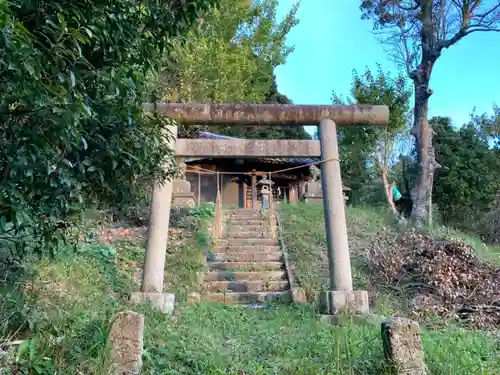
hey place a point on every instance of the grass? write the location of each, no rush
(62, 312)
(308, 250)
(453, 350)
(67, 309)
(214, 339)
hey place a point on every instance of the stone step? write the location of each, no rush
(251, 216)
(242, 210)
(247, 242)
(247, 286)
(246, 249)
(274, 256)
(245, 266)
(247, 297)
(241, 228)
(246, 222)
(246, 275)
(245, 213)
(247, 234)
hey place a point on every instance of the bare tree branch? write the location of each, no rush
(416, 32)
(451, 21)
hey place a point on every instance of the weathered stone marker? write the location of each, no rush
(403, 347)
(341, 298)
(125, 344)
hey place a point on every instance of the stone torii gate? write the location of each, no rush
(341, 297)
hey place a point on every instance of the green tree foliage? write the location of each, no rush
(73, 76)
(490, 125)
(468, 182)
(273, 96)
(230, 58)
(367, 152)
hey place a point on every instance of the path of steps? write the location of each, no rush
(247, 265)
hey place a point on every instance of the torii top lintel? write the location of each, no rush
(271, 114)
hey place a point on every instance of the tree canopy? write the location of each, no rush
(468, 182)
(73, 76)
(273, 96)
(230, 58)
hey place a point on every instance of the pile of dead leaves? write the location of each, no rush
(440, 276)
(110, 235)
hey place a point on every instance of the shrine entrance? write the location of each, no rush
(283, 189)
(235, 174)
(341, 297)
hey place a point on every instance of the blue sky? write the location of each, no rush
(331, 40)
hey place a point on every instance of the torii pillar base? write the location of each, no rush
(339, 302)
(164, 302)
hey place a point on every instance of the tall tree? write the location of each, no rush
(230, 57)
(418, 31)
(372, 145)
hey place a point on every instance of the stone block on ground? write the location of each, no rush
(344, 302)
(125, 342)
(299, 295)
(193, 297)
(164, 302)
(403, 346)
(200, 277)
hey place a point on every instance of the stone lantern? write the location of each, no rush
(182, 196)
(264, 186)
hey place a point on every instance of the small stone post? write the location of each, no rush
(340, 298)
(154, 264)
(125, 344)
(403, 347)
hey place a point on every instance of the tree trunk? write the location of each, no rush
(421, 129)
(388, 190)
(425, 150)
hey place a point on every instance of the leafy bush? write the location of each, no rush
(73, 76)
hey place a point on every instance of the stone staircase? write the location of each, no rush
(246, 267)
